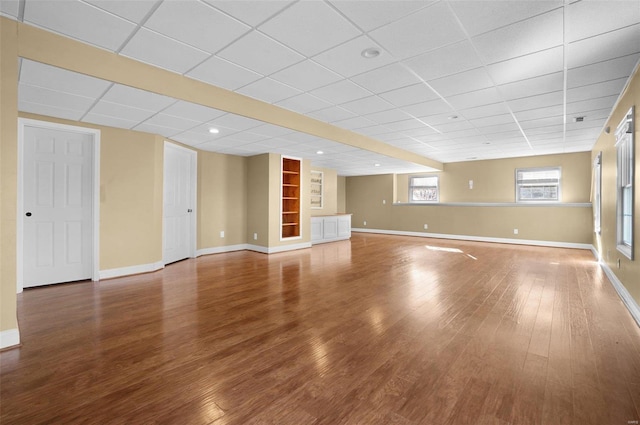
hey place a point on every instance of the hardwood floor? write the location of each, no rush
(376, 330)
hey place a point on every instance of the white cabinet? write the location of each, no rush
(330, 228)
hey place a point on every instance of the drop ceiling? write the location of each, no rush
(454, 80)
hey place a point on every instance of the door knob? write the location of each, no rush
(28, 214)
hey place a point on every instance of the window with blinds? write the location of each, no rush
(424, 189)
(538, 184)
(625, 171)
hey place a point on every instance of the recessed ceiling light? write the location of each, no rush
(319, 152)
(453, 117)
(370, 53)
(214, 130)
(376, 165)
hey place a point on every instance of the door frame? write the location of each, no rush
(95, 189)
(193, 180)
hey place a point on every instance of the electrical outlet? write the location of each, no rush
(426, 226)
(384, 202)
(470, 184)
(515, 231)
(365, 223)
(255, 236)
(222, 233)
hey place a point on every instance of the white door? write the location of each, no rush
(57, 205)
(179, 203)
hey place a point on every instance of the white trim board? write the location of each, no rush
(477, 238)
(222, 249)
(625, 296)
(95, 204)
(130, 270)
(9, 338)
(276, 249)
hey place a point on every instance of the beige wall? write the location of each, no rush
(368, 199)
(629, 271)
(8, 173)
(222, 199)
(329, 192)
(342, 194)
(258, 194)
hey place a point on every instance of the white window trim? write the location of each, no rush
(625, 140)
(597, 193)
(538, 201)
(411, 201)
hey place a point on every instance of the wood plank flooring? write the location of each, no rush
(376, 330)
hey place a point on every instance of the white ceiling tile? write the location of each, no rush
(303, 103)
(10, 8)
(347, 60)
(410, 124)
(156, 49)
(423, 109)
(252, 12)
(410, 95)
(192, 138)
(299, 25)
(268, 90)
(529, 66)
(475, 98)
(222, 73)
(499, 128)
(374, 130)
(438, 119)
(427, 29)
(485, 111)
(533, 86)
(589, 18)
(607, 46)
(192, 111)
(39, 95)
(306, 76)
(108, 120)
(260, 54)
(148, 127)
(236, 122)
(386, 78)
(172, 122)
(463, 82)
(605, 103)
(389, 116)
(533, 114)
(334, 113)
(81, 21)
(196, 24)
(367, 105)
(454, 125)
(341, 92)
(540, 101)
(52, 111)
(271, 130)
(120, 111)
(137, 98)
(38, 74)
(606, 88)
(522, 38)
(134, 11)
(602, 71)
(542, 122)
(373, 14)
(444, 61)
(482, 16)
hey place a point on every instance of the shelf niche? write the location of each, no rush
(290, 204)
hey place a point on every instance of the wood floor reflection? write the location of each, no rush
(376, 330)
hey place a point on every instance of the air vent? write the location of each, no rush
(578, 119)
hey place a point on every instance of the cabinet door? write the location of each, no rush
(316, 229)
(330, 228)
(344, 227)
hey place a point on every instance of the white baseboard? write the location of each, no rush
(9, 338)
(626, 297)
(126, 271)
(478, 238)
(276, 249)
(222, 249)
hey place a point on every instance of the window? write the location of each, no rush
(538, 184)
(423, 189)
(624, 198)
(597, 193)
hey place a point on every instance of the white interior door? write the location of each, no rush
(179, 203)
(57, 216)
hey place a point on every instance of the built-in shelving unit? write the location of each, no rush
(316, 189)
(290, 206)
